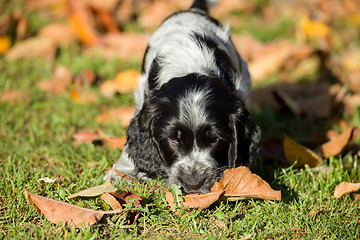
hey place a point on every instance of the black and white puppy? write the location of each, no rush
(191, 121)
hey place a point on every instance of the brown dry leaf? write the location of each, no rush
(198, 201)
(125, 11)
(240, 183)
(15, 96)
(82, 96)
(288, 101)
(352, 102)
(345, 187)
(124, 176)
(58, 83)
(82, 23)
(5, 44)
(95, 191)
(61, 212)
(129, 46)
(295, 152)
(124, 82)
(273, 56)
(224, 7)
(111, 200)
(35, 47)
(97, 135)
(59, 34)
(107, 20)
(336, 145)
(125, 198)
(123, 114)
(106, 5)
(86, 136)
(152, 16)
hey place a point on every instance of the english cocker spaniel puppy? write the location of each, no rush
(191, 121)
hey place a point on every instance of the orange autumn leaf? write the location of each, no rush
(5, 44)
(97, 135)
(294, 152)
(123, 114)
(124, 82)
(58, 83)
(198, 201)
(81, 22)
(240, 183)
(15, 96)
(345, 187)
(61, 212)
(336, 145)
(81, 96)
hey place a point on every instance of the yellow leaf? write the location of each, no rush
(124, 82)
(4, 44)
(314, 29)
(85, 32)
(295, 152)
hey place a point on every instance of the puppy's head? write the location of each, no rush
(199, 128)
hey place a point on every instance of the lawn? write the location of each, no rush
(36, 141)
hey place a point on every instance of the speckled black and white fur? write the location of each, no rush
(191, 120)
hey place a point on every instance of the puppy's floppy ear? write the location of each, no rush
(142, 147)
(246, 134)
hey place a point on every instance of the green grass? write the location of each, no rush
(36, 141)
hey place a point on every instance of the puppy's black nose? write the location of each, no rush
(192, 183)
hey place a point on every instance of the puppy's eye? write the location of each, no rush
(214, 141)
(173, 141)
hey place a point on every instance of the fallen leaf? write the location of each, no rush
(50, 180)
(294, 152)
(82, 23)
(288, 101)
(107, 20)
(336, 145)
(58, 83)
(152, 16)
(35, 47)
(124, 82)
(313, 29)
(224, 7)
(125, 177)
(59, 34)
(86, 136)
(15, 96)
(352, 102)
(345, 187)
(94, 191)
(111, 200)
(198, 201)
(82, 96)
(61, 212)
(126, 197)
(239, 183)
(125, 11)
(97, 135)
(123, 114)
(129, 46)
(5, 44)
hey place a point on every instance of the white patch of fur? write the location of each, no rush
(192, 107)
(181, 55)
